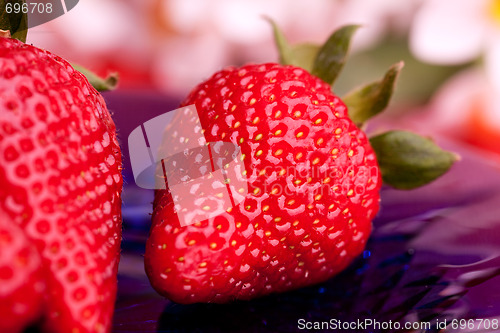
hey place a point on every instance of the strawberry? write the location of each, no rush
(286, 121)
(22, 282)
(60, 167)
(312, 176)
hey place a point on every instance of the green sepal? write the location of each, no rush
(300, 55)
(369, 100)
(304, 55)
(16, 23)
(408, 160)
(100, 84)
(284, 48)
(332, 55)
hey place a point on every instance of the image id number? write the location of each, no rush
(33, 7)
(475, 324)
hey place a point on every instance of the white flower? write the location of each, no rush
(458, 31)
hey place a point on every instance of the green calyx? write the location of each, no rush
(371, 99)
(300, 55)
(407, 160)
(100, 84)
(332, 55)
(12, 21)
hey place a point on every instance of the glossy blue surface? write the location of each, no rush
(434, 254)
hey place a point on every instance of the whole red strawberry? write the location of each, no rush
(311, 176)
(313, 186)
(60, 169)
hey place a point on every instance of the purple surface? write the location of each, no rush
(434, 254)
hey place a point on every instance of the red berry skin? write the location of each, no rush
(295, 135)
(60, 170)
(22, 281)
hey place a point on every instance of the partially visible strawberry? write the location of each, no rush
(22, 282)
(60, 170)
(312, 178)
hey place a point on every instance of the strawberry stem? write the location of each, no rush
(13, 20)
(100, 84)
